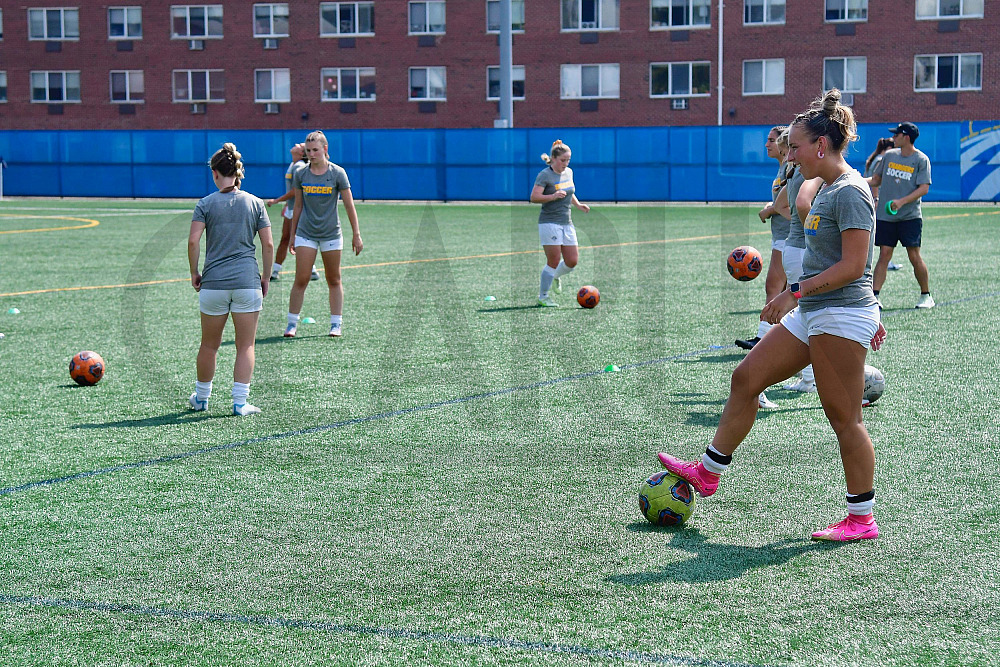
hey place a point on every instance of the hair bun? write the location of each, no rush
(831, 100)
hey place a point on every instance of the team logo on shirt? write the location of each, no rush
(565, 185)
(811, 225)
(900, 172)
(317, 189)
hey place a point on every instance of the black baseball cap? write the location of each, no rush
(909, 129)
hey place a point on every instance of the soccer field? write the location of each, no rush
(454, 481)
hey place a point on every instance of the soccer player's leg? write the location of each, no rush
(305, 255)
(331, 265)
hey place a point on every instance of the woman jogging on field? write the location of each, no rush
(316, 229)
(555, 191)
(230, 285)
(829, 318)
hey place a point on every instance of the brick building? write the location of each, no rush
(425, 63)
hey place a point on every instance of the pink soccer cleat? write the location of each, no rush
(693, 472)
(850, 529)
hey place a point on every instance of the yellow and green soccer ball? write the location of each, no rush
(666, 500)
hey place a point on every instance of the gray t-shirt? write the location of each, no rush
(844, 204)
(231, 220)
(873, 167)
(557, 210)
(779, 223)
(901, 175)
(319, 220)
(796, 239)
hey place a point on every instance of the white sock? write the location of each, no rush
(715, 461)
(241, 392)
(293, 319)
(808, 375)
(275, 268)
(336, 319)
(548, 274)
(203, 390)
(763, 328)
(562, 270)
(861, 504)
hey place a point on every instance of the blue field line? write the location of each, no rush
(371, 631)
(10, 490)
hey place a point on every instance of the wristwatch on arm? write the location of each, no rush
(795, 290)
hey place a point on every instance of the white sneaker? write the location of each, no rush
(196, 405)
(547, 302)
(926, 301)
(557, 285)
(893, 266)
(274, 276)
(765, 403)
(335, 331)
(804, 386)
(290, 330)
(245, 409)
(314, 275)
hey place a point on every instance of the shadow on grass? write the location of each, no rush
(174, 418)
(745, 312)
(713, 359)
(714, 562)
(271, 340)
(711, 419)
(507, 309)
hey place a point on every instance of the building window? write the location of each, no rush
(1, 23)
(199, 85)
(949, 9)
(590, 14)
(951, 72)
(127, 86)
(679, 79)
(764, 77)
(54, 24)
(850, 75)
(846, 10)
(427, 18)
(666, 14)
(196, 21)
(346, 19)
(516, 82)
(3, 86)
(55, 86)
(763, 12)
(493, 15)
(580, 82)
(428, 83)
(270, 20)
(124, 22)
(272, 85)
(348, 84)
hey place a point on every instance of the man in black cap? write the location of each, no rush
(903, 177)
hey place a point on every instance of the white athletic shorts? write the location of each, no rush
(857, 324)
(286, 212)
(550, 233)
(225, 301)
(778, 245)
(791, 261)
(322, 246)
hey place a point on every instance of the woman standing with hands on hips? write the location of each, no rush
(316, 228)
(230, 285)
(830, 318)
(555, 191)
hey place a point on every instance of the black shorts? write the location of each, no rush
(903, 232)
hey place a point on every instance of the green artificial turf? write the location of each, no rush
(454, 481)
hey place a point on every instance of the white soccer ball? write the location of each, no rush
(874, 384)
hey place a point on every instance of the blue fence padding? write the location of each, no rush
(610, 164)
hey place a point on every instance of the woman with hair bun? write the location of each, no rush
(230, 284)
(829, 318)
(555, 191)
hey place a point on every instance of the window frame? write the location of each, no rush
(600, 79)
(670, 78)
(764, 92)
(3, 86)
(514, 68)
(357, 24)
(324, 72)
(937, 57)
(125, 24)
(844, 88)
(767, 4)
(62, 24)
(273, 71)
(208, 86)
(682, 26)
(600, 27)
(208, 20)
(128, 87)
(427, 21)
(948, 17)
(272, 34)
(409, 79)
(846, 10)
(1, 24)
(47, 74)
(491, 31)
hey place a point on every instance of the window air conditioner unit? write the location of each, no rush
(196, 45)
(847, 99)
(679, 103)
(588, 25)
(272, 107)
(270, 43)
(198, 107)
